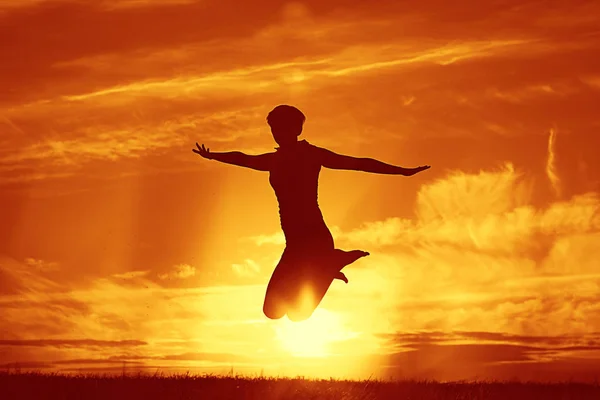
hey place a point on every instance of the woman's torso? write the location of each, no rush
(294, 178)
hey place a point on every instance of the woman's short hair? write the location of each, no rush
(286, 116)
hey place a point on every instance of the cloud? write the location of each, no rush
(88, 361)
(513, 231)
(41, 264)
(181, 271)
(593, 81)
(582, 342)
(72, 343)
(551, 164)
(81, 148)
(28, 277)
(107, 145)
(489, 212)
(26, 365)
(275, 238)
(523, 95)
(131, 275)
(472, 195)
(258, 79)
(214, 357)
(124, 316)
(119, 4)
(520, 268)
(489, 355)
(7, 5)
(247, 268)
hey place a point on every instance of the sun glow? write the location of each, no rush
(313, 337)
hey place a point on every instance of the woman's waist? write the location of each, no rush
(306, 225)
(307, 236)
(301, 216)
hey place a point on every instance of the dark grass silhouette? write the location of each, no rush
(310, 261)
(158, 386)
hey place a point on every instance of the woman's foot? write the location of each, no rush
(348, 257)
(341, 276)
(344, 258)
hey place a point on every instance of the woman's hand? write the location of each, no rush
(203, 151)
(418, 169)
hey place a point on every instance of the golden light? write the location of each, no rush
(296, 76)
(313, 337)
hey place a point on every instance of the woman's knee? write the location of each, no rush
(274, 309)
(299, 314)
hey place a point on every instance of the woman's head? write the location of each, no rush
(286, 123)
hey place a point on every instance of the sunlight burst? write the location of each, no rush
(313, 337)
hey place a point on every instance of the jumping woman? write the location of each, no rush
(310, 260)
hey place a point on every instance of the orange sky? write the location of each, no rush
(117, 243)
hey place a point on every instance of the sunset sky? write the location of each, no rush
(119, 244)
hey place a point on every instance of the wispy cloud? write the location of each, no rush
(28, 277)
(101, 4)
(119, 4)
(581, 342)
(247, 268)
(181, 271)
(107, 145)
(41, 264)
(131, 275)
(72, 343)
(488, 354)
(270, 77)
(551, 163)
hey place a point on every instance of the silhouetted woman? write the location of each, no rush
(310, 260)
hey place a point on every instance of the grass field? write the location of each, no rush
(57, 386)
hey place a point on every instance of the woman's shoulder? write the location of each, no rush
(303, 148)
(314, 152)
(310, 146)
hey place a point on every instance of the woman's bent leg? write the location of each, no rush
(308, 297)
(273, 307)
(277, 294)
(314, 284)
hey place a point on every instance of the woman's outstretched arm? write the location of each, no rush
(337, 161)
(260, 162)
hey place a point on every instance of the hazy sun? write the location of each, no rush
(311, 338)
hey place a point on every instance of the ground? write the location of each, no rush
(149, 387)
